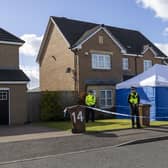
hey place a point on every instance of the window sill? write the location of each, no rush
(94, 69)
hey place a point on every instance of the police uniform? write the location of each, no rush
(133, 100)
(90, 100)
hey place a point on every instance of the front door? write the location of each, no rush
(4, 107)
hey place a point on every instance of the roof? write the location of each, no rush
(13, 75)
(86, 35)
(100, 82)
(133, 41)
(5, 36)
(154, 76)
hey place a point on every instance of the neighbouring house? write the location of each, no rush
(13, 81)
(77, 56)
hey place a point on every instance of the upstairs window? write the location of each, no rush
(147, 64)
(125, 63)
(101, 61)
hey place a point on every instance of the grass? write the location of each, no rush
(99, 125)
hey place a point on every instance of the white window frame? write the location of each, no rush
(106, 105)
(125, 63)
(101, 61)
(3, 95)
(146, 64)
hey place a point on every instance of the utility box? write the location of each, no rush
(77, 115)
(144, 111)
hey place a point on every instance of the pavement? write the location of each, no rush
(31, 132)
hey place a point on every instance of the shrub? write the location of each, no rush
(50, 107)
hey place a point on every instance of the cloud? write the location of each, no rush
(33, 73)
(163, 47)
(28, 53)
(165, 32)
(158, 6)
(32, 44)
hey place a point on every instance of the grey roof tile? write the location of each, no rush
(13, 75)
(8, 37)
(75, 31)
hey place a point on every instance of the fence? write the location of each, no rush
(66, 98)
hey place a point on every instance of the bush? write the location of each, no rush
(50, 107)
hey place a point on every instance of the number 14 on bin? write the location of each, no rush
(77, 116)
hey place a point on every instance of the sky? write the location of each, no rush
(28, 19)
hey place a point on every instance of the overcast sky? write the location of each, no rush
(28, 19)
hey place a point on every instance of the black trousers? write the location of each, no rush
(135, 115)
(90, 113)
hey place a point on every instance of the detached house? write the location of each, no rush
(77, 56)
(13, 103)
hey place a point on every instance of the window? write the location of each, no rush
(105, 98)
(101, 61)
(147, 64)
(100, 39)
(3, 95)
(125, 63)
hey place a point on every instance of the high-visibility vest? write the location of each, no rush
(90, 100)
(133, 98)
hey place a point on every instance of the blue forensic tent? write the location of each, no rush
(152, 86)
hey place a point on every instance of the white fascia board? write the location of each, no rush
(133, 55)
(149, 48)
(155, 54)
(109, 34)
(4, 88)
(56, 26)
(13, 82)
(160, 57)
(79, 46)
(11, 43)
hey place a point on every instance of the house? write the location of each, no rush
(13, 81)
(77, 56)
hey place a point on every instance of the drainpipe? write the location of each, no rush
(75, 75)
(136, 65)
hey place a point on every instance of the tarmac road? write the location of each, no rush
(147, 155)
(89, 150)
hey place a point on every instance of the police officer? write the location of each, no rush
(90, 101)
(133, 100)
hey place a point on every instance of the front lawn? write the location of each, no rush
(99, 125)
